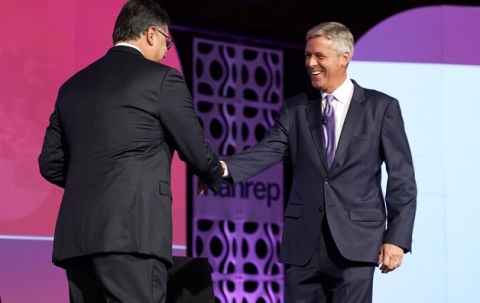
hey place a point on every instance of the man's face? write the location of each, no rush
(161, 51)
(154, 44)
(327, 69)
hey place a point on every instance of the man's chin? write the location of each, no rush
(318, 85)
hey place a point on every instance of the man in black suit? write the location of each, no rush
(110, 142)
(338, 224)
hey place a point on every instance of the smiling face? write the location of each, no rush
(326, 68)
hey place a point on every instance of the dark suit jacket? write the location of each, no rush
(349, 193)
(110, 142)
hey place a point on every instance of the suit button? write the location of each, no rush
(327, 182)
(320, 209)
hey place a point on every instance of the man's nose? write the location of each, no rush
(311, 62)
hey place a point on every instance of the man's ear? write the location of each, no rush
(150, 36)
(345, 58)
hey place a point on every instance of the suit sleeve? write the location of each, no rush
(401, 193)
(53, 159)
(272, 149)
(178, 116)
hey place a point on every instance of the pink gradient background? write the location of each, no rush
(43, 44)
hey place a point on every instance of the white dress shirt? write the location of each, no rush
(343, 95)
(129, 45)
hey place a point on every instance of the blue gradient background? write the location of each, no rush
(429, 60)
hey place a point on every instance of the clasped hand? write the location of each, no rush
(202, 186)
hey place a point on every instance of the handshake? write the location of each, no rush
(202, 186)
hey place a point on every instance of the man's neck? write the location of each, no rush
(131, 43)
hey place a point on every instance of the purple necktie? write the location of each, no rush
(329, 129)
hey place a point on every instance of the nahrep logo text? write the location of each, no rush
(250, 189)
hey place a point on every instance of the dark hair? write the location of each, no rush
(136, 17)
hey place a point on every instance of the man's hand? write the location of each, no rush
(224, 166)
(390, 257)
(202, 186)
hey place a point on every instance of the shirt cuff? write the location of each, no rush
(225, 173)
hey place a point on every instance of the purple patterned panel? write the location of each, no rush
(237, 92)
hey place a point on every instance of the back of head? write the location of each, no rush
(336, 32)
(136, 17)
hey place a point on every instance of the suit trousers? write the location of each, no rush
(115, 278)
(328, 277)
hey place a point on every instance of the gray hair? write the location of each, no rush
(336, 32)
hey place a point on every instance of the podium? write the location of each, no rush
(190, 281)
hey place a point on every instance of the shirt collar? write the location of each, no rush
(129, 45)
(343, 92)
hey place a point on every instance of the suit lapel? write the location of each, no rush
(313, 112)
(353, 115)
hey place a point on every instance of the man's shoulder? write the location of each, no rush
(303, 98)
(158, 70)
(122, 62)
(376, 94)
(370, 94)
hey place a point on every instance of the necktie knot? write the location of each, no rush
(329, 98)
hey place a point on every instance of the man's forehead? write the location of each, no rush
(319, 46)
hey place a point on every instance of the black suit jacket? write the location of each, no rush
(349, 193)
(110, 143)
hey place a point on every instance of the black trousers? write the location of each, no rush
(328, 277)
(122, 278)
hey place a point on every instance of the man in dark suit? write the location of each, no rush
(110, 142)
(338, 225)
